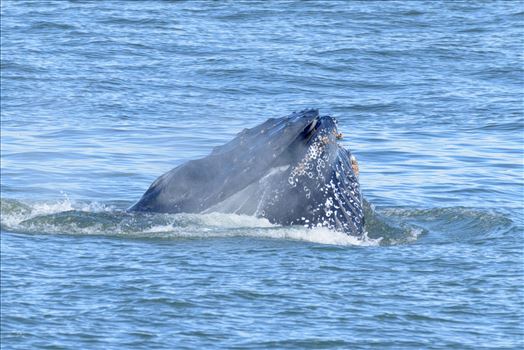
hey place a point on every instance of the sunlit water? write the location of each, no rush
(100, 98)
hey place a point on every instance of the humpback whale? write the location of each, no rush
(289, 170)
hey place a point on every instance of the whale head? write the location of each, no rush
(290, 170)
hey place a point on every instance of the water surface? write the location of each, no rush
(100, 98)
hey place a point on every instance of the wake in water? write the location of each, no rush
(389, 227)
(67, 217)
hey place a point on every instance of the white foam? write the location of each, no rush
(31, 210)
(315, 235)
(51, 208)
(259, 227)
(320, 235)
(232, 220)
(164, 225)
(13, 219)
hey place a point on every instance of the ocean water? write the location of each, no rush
(98, 98)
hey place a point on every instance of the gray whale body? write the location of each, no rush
(290, 170)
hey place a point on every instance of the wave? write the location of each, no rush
(43, 25)
(389, 226)
(67, 217)
(455, 223)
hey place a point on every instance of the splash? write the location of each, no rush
(389, 226)
(68, 217)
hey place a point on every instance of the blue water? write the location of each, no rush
(100, 98)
